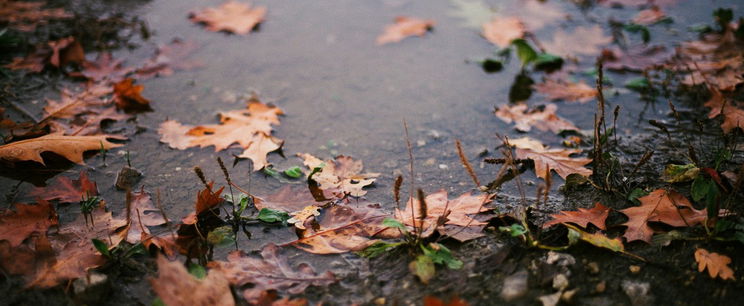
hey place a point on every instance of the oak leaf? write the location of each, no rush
(501, 31)
(664, 206)
(129, 97)
(141, 213)
(104, 68)
(232, 16)
(16, 226)
(169, 58)
(733, 116)
(271, 272)
(204, 219)
(567, 91)
(175, 286)
(449, 217)
(67, 190)
(543, 118)
(24, 259)
(583, 41)
(714, 60)
(69, 147)
(342, 176)
(596, 215)
(717, 264)
(405, 27)
(558, 160)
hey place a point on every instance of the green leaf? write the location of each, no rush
(680, 173)
(423, 267)
(635, 194)
(492, 65)
(524, 51)
(515, 230)
(394, 223)
(378, 248)
(637, 28)
(547, 61)
(197, 270)
(440, 254)
(638, 84)
(272, 215)
(102, 247)
(137, 249)
(157, 302)
(221, 236)
(294, 172)
(702, 187)
(269, 170)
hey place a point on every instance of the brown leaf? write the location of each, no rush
(300, 217)
(169, 58)
(204, 219)
(543, 118)
(596, 215)
(286, 199)
(341, 176)
(583, 41)
(69, 147)
(271, 272)
(457, 213)
(231, 16)
(567, 91)
(175, 135)
(664, 206)
(635, 58)
(57, 53)
(141, 213)
(405, 27)
(714, 60)
(664, 3)
(67, 190)
(558, 160)
(175, 286)
(733, 116)
(26, 220)
(501, 31)
(128, 96)
(105, 68)
(166, 242)
(26, 16)
(717, 264)
(649, 16)
(25, 258)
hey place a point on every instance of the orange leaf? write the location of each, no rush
(567, 91)
(69, 147)
(341, 176)
(404, 27)
(543, 118)
(558, 160)
(717, 264)
(501, 31)
(664, 206)
(596, 215)
(459, 214)
(67, 190)
(231, 16)
(129, 96)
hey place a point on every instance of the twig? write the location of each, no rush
(466, 163)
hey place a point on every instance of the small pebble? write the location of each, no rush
(634, 269)
(601, 287)
(560, 281)
(380, 301)
(127, 178)
(515, 286)
(593, 267)
(639, 293)
(443, 166)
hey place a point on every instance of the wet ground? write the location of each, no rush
(342, 94)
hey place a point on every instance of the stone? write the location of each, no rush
(560, 281)
(639, 293)
(92, 288)
(127, 178)
(560, 259)
(515, 286)
(600, 287)
(593, 267)
(634, 269)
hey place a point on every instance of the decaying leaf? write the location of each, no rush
(583, 41)
(250, 128)
(635, 58)
(664, 206)
(597, 239)
(558, 160)
(26, 16)
(16, 226)
(567, 91)
(301, 216)
(141, 213)
(341, 176)
(69, 147)
(717, 264)
(449, 217)
(501, 31)
(67, 190)
(129, 96)
(543, 118)
(175, 286)
(204, 219)
(405, 27)
(232, 16)
(596, 215)
(271, 272)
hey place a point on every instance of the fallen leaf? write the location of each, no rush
(67, 190)
(175, 134)
(286, 199)
(26, 16)
(664, 206)
(733, 116)
(598, 240)
(71, 262)
(635, 58)
(596, 215)
(128, 96)
(69, 147)
(141, 213)
(405, 27)
(204, 219)
(168, 59)
(342, 176)
(175, 286)
(457, 214)
(474, 13)
(57, 53)
(104, 68)
(166, 242)
(300, 217)
(543, 118)
(558, 160)
(271, 272)
(16, 226)
(717, 264)
(231, 16)
(649, 16)
(714, 60)
(567, 91)
(25, 258)
(583, 41)
(501, 31)
(638, 2)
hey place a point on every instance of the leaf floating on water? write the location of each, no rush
(405, 27)
(502, 31)
(567, 91)
(232, 16)
(583, 41)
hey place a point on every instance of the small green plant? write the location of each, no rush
(123, 255)
(87, 205)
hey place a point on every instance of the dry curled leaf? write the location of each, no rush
(558, 160)
(175, 286)
(341, 176)
(232, 16)
(449, 217)
(501, 31)
(717, 264)
(405, 27)
(664, 206)
(69, 147)
(567, 91)
(596, 215)
(67, 190)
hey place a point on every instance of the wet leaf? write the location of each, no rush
(717, 264)
(663, 206)
(300, 217)
(272, 215)
(169, 58)
(567, 91)
(423, 267)
(558, 160)
(104, 68)
(16, 226)
(544, 118)
(650, 16)
(175, 286)
(286, 199)
(596, 239)
(680, 173)
(69, 147)
(405, 27)
(67, 190)
(733, 116)
(221, 236)
(26, 16)
(294, 172)
(583, 41)
(101, 247)
(231, 16)
(501, 31)
(525, 52)
(455, 214)
(341, 176)
(141, 213)
(57, 53)
(636, 58)
(596, 215)
(128, 96)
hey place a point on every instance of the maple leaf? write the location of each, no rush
(501, 31)
(69, 147)
(635, 58)
(175, 286)
(141, 213)
(649, 16)
(341, 176)
(67, 190)
(456, 212)
(405, 27)
(168, 58)
(71, 104)
(543, 118)
(558, 160)
(343, 228)
(733, 116)
(250, 128)
(271, 272)
(583, 41)
(104, 68)
(166, 242)
(717, 264)
(567, 91)
(16, 226)
(664, 206)
(26, 16)
(128, 96)
(596, 215)
(231, 16)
